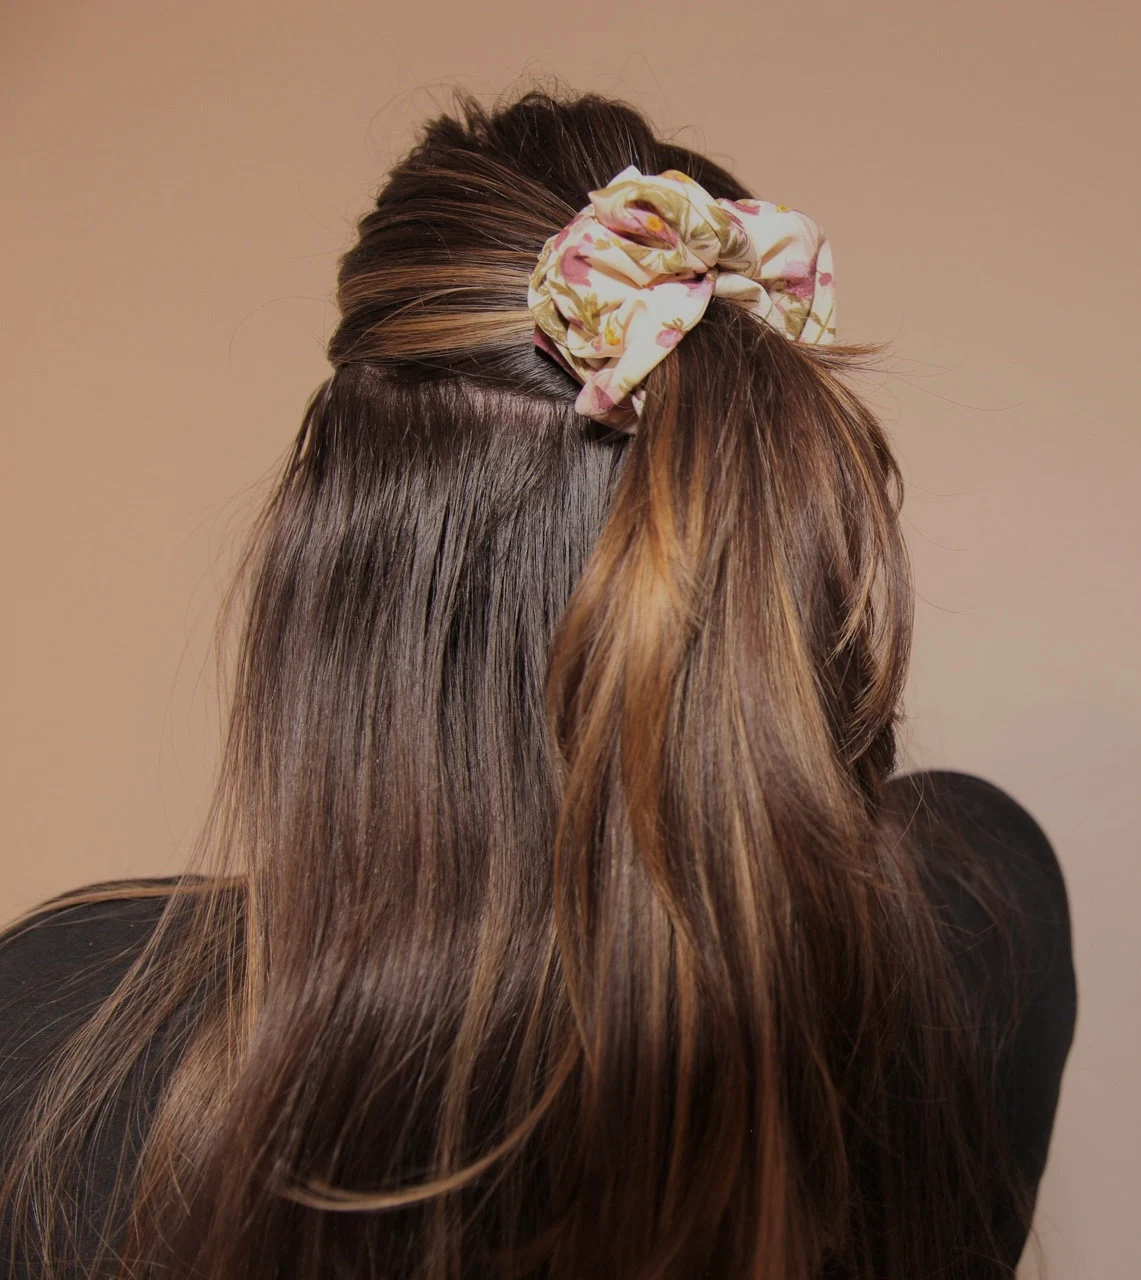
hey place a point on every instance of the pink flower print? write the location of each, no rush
(699, 285)
(800, 280)
(746, 206)
(593, 399)
(655, 225)
(825, 278)
(544, 342)
(621, 221)
(575, 267)
(640, 222)
(560, 238)
(671, 334)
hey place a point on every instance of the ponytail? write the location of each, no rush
(723, 688)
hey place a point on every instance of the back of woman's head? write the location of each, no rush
(568, 931)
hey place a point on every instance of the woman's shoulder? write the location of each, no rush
(78, 933)
(997, 880)
(945, 809)
(981, 807)
(60, 961)
(58, 964)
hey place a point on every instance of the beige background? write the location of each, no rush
(177, 181)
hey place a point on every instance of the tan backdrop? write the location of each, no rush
(177, 181)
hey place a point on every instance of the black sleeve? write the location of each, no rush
(54, 973)
(1027, 997)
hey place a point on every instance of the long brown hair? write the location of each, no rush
(558, 921)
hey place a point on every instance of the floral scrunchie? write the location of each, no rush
(623, 282)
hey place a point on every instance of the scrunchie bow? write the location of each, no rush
(623, 282)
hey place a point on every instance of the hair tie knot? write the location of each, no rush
(621, 284)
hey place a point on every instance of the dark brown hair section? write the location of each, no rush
(559, 925)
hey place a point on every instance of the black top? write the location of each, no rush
(54, 976)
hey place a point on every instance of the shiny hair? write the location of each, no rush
(558, 921)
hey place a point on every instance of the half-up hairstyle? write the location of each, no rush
(557, 922)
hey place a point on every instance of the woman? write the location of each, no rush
(559, 914)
